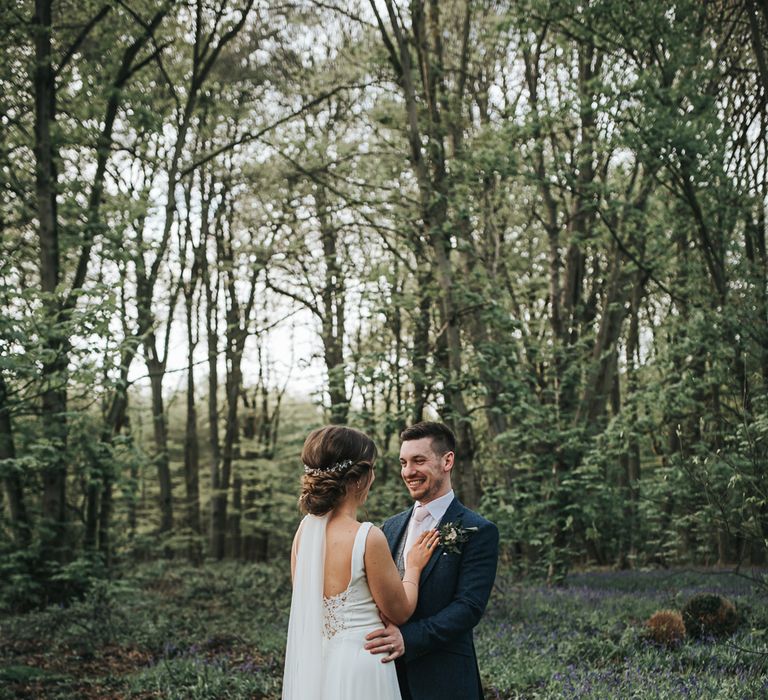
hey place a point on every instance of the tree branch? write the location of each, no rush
(72, 50)
(248, 137)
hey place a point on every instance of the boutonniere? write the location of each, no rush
(452, 535)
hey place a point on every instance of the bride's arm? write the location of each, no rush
(396, 599)
(415, 562)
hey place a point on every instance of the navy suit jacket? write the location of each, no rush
(439, 660)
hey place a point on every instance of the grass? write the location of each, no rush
(172, 631)
(588, 641)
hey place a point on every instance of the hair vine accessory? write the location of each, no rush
(338, 467)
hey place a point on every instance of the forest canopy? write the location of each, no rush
(543, 223)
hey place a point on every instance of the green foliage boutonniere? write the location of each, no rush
(452, 536)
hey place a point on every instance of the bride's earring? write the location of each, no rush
(361, 495)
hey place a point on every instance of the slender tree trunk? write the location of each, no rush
(191, 441)
(264, 422)
(236, 337)
(238, 317)
(115, 421)
(631, 462)
(420, 352)
(255, 541)
(235, 518)
(54, 394)
(228, 452)
(14, 491)
(603, 363)
(106, 507)
(334, 313)
(160, 431)
(93, 491)
(212, 334)
(625, 534)
(275, 422)
(455, 410)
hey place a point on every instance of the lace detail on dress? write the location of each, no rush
(333, 623)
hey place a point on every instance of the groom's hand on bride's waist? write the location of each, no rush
(386, 640)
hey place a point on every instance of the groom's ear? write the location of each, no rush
(449, 459)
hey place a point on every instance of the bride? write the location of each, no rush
(344, 579)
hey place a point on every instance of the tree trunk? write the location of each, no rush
(93, 491)
(603, 363)
(334, 308)
(235, 519)
(632, 461)
(105, 518)
(160, 431)
(212, 334)
(237, 317)
(54, 393)
(420, 351)
(114, 422)
(430, 170)
(191, 441)
(219, 500)
(14, 491)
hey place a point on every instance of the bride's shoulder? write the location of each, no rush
(375, 535)
(376, 548)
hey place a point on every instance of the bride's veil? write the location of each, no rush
(302, 678)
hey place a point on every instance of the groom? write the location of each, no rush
(434, 649)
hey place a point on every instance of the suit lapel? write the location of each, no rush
(451, 515)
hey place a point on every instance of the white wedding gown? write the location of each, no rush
(325, 658)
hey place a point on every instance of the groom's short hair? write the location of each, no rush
(443, 439)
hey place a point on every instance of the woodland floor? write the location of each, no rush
(172, 631)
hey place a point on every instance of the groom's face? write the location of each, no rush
(426, 474)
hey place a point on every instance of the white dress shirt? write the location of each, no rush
(436, 510)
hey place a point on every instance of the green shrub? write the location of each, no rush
(29, 581)
(21, 585)
(710, 615)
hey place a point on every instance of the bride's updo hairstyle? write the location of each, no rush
(335, 458)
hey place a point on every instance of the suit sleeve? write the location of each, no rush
(476, 576)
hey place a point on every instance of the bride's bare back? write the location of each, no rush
(383, 579)
(339, 540)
